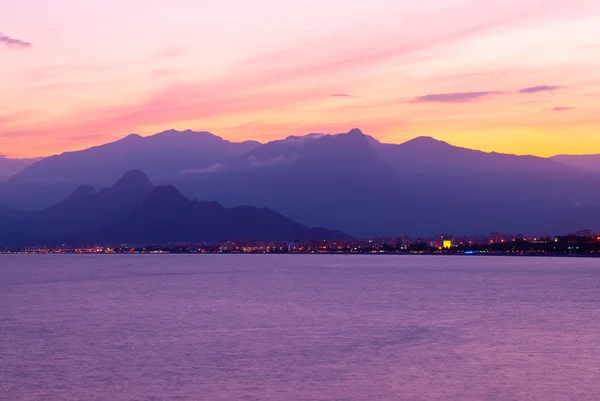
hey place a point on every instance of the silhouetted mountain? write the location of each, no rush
(134, 211)
(169, 216)
(160, 156)
(431, 156)
(354, 183)
(366, 188)
(85, 210)
(584, 162)
(9, 215)
(10, 167)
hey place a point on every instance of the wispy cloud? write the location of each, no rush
(12, 134)
(541, 88)
(269, 162)
(458, 97)
(210, 169)
(342, 95)
(17, 117)
(13, 43)
(333, 57)
(7, 157)
(561, 108)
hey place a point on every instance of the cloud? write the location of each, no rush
(18, 117)
(541, 88)
(275, 83)
(342, 95)
(561, 108)
(210, 169)
(14, 43)
(333, 56)
(458, 97)
(12, 134)
(176, 103)
(271, 161)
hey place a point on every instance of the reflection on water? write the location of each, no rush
(298, 327)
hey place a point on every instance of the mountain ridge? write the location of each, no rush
(133, 213)
(353, 182)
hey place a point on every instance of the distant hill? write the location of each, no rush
(133, 211)
(584, 162)
(7, 216)
(348, 181)
(421, 187)
(161, 156)
(10, 166)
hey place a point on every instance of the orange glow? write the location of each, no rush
(451, 69)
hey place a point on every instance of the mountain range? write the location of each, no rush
(11, 166)
(584, 162)
(349, 182)
(134, 211)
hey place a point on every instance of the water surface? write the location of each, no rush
(298, 327)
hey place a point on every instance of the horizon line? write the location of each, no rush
(8, 155)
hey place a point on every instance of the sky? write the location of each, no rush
(514, 76)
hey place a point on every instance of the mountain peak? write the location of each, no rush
(132, 137)
(84, 190)
(355, 132)
(166, 197)
(82, 193)
(185, 134)
(425, 143)
(424, 140)
(134, 179)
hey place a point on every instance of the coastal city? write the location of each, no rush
(581, 243)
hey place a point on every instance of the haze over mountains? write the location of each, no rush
(349, 182)
(10, 167)
(584, 162)
(134, 211)
(161, 156)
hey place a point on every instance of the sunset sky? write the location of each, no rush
(517, 76)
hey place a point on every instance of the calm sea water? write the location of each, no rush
(298, 327)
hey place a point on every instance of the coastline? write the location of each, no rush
(372, 254)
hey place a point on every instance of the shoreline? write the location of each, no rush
(375, 254)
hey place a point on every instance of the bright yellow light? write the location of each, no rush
(447, 244)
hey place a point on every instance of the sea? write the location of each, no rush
(299, 327)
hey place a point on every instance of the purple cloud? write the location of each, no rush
(209, 169)
(561, 108)
(13, 43)
(342, 95)
(272, 161)
(458, 97)
(541, 88)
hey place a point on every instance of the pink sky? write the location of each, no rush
(518, 76)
